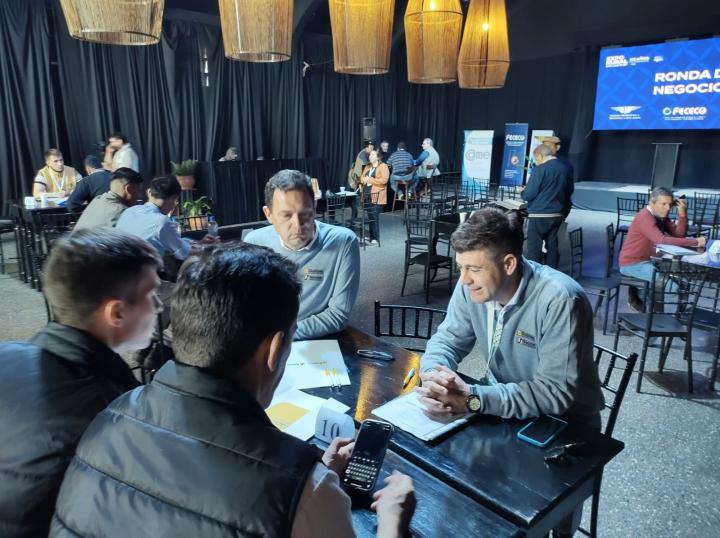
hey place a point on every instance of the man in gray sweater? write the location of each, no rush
(328, 256)
(531, 323)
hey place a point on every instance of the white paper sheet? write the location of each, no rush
(307, 363)
(302, 427)
(406, 412)
(675, 250)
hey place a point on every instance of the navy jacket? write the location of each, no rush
(51, 388)
(188, 455)
(550, 189)
(88, 189)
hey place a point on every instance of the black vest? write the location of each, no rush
(188, 455)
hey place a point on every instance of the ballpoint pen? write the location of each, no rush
(373, 354)
(330, 379)
(337, 379)
(409, 377)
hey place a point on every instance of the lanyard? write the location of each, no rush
(494, 334)
(59, 187)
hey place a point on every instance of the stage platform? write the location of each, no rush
(602, 195)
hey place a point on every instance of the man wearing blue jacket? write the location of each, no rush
(549, 198)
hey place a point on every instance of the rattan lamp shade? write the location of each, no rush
(432, 36)
(485, 53)
(257, 30)
(130, 22)
(362, 35)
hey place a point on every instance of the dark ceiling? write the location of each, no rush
(539, 29)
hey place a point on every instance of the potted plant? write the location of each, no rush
(196, 212)
(185, 173)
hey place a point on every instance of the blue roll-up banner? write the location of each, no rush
(477, 156)
(513, 165)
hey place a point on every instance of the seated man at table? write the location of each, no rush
(105, 210)
(328, 256)
(95, 183)
(55, 178)
(151, 221)
(101, 287)
(211, 463)
(652, 227)
(533, 326)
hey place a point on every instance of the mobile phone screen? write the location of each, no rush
(543, 429)
(372, 440)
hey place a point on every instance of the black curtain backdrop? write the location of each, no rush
(183, 99)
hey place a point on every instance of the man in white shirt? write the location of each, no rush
(119, 154)
(194, 451)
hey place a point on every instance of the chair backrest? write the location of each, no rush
(419, 210)
(614, 381)
(610, 256)
(410, 322)
(626, 211)
(641, 200)
(507, 193)
(675, 289)
(54, 224)
(576, 252)
(706, 208)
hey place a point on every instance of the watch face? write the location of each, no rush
(473, 403)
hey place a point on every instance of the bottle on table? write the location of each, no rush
(212, 228)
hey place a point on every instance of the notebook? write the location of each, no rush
(407, 413)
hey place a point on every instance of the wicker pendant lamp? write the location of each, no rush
(257, 30)
(362, 35)
(432, 36)
(130, 22)
(485, 52)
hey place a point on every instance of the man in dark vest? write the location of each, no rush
(193, 453)
(101, 286)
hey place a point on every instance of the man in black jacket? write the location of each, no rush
(95, 183)
(101, 287)
(193, 453)
(549, 198)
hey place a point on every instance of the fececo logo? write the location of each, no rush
(514, 138)
(685, 111)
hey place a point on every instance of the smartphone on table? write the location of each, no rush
(541, 431)
(368, 455)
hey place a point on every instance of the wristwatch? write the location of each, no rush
(472, 402)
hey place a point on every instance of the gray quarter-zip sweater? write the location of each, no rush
(544, 359)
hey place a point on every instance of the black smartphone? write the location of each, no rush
(368, 455)
(542, 430)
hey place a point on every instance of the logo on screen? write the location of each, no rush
(685, 113)
(617, 60)
(625, 110)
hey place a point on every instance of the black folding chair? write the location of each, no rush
(335, 210)
(407, 322)
(674, 292)
(420, 250)
(627, 208)
(606, 287)
(614, 383)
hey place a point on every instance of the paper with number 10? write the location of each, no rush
(307, 365)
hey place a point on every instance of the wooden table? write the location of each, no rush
(484, 460)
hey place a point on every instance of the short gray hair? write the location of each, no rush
(543, 150)
(429, 141)
(657, 192)
(288, 180)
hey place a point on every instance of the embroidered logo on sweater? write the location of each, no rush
(312, 274)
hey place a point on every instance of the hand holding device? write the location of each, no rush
(542, 430)
(367, 457)
(395, 505)
(338, 454)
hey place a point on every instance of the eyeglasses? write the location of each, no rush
(559, 455)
